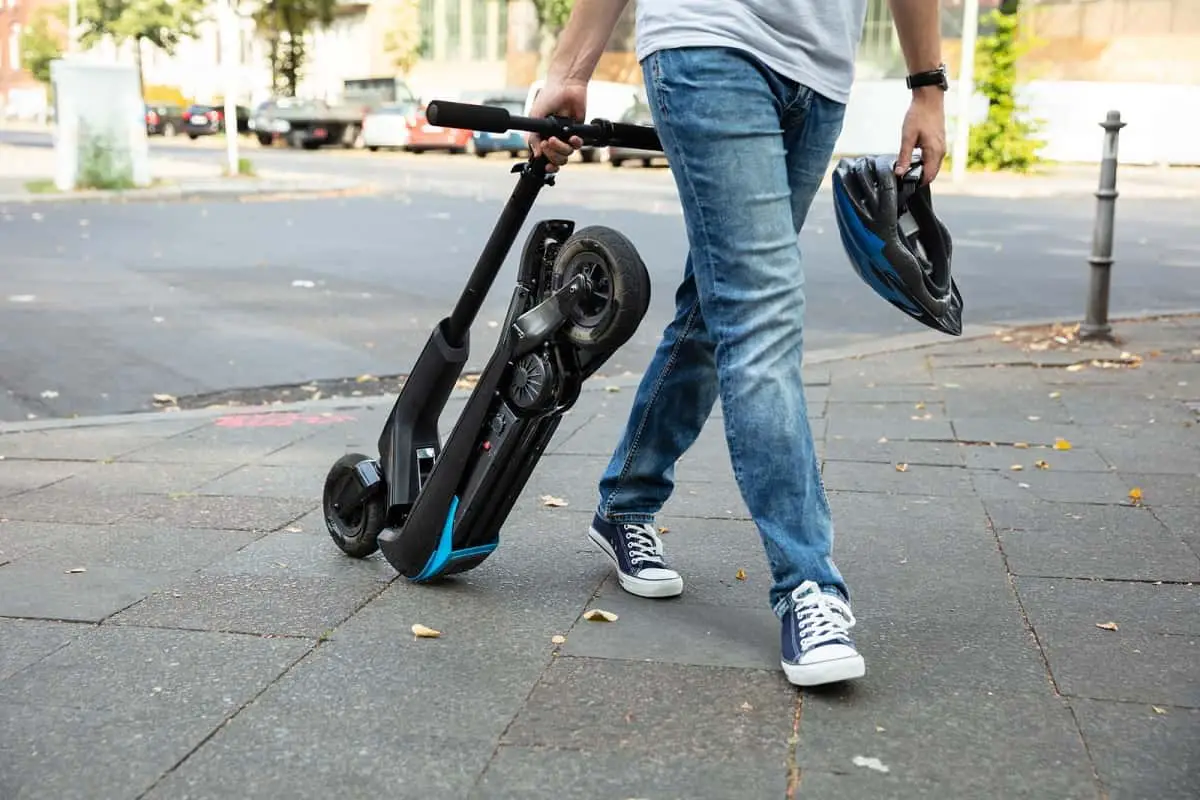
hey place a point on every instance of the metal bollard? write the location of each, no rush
(1095, 325)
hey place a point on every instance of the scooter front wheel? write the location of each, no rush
(355, 531)
(620, 288)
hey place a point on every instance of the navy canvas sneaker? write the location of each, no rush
(637, 553)
(817, 647)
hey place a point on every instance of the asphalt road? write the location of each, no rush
(106, 305)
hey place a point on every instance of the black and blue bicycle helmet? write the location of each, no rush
(896, 244)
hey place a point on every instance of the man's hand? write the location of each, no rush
(924, 127)
(560, 98)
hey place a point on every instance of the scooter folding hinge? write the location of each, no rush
(535, 327)
(524, 167)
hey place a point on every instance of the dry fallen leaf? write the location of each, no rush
(365, 379)
(741, 574)
(558, 638)
(1016, 468)
(1135, 496)
(1107, 626)
(1062, 444)
(920, 406)
(612, 388)
(1055, 395)
(902, 468)
(599, 615)
(76, 570)
(422, 632)
(1159, 710)
(1040, 464)
(663, 529)
(552, 501)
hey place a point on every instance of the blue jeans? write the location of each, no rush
(748, 150)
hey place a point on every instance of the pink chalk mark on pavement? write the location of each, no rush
(284, 420)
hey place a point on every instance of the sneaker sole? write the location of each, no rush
(841, 669)
(670, 587)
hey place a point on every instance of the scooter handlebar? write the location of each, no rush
(494, 119)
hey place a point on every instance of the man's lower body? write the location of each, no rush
(748, 150)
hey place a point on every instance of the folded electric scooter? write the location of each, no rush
(435, 509)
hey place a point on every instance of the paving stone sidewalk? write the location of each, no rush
(175, 622)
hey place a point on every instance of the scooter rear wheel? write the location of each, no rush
(357, 533)
(620, 288)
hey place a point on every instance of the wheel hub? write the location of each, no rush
(596, 299)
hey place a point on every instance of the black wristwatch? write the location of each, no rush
(934, 77)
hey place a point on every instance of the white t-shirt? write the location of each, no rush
(813, 42)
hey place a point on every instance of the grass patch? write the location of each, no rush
(41, 186)
(245, 169)
(47, 186)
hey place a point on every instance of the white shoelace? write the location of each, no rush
(643, 544)
(820, 618)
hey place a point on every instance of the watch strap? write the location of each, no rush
(932, 77)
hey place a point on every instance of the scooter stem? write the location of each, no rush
(491, 259)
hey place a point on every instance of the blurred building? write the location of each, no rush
(21, 97)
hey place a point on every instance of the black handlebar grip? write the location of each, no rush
(639, 137)
(467, 116)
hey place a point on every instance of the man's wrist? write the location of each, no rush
(929, 94)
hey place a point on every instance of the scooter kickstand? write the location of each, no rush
(535, 327)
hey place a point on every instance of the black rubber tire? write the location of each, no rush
(360, 539)
(606, 321)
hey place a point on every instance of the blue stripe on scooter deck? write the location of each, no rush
(443, 555)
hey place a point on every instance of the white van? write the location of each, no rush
(605, 99)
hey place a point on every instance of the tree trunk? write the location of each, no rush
(292, 62)
(137, 60)
(273, 55)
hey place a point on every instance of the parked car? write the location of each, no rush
(387, 126)
(512, 142)
(638, 115)
(203, 119)
(163, 119)
(424, 136)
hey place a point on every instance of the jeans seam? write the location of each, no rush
(689, 184)
(635, 444)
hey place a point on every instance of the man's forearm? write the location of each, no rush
(584, 37)
(918, 26)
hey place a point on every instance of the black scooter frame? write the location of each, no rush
(444, 506)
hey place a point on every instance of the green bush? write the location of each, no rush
(101, 166)
(1006, 140)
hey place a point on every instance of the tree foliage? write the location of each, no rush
(43, 40)
(284, 25)
(402, 41)
(552, 15)
(1006, 139)
(162, 23)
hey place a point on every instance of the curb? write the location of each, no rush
(311, 188)
(829, 355)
